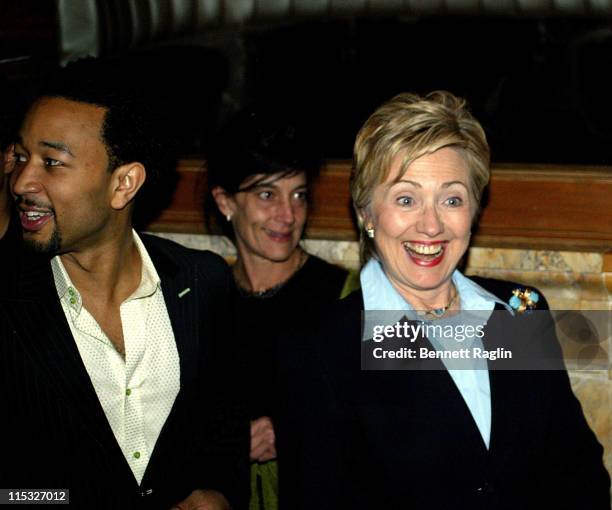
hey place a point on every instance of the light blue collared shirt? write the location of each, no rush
(473, 383)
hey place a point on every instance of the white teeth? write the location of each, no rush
(424, 249)
(34, 215)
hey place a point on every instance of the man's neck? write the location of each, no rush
(108, 272)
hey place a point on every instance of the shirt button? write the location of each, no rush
(128, 392)
(136, 455)
(72, 301)
(486, 488)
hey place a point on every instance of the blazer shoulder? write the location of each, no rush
(205, 262)
(502, 289)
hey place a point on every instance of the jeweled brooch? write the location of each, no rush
(524, 299)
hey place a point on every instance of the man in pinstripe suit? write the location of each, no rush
(120, 395)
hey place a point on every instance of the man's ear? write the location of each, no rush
(126, 181)
(224, 201)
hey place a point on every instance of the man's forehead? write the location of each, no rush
(60, 118)
(71, 127)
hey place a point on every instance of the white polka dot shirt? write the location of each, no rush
(138, 392)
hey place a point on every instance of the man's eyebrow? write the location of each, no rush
(58, 146)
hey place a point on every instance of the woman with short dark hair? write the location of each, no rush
(259, 172)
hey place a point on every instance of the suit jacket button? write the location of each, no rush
(485, 488)
(145, 492)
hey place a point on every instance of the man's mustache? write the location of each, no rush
(21, 200)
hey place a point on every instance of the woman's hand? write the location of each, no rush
(262, 440)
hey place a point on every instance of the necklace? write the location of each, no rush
(437, 313)
(271, 291)
(262, 294)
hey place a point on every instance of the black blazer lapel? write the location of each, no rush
(180, 287)
(181, 294)
(499, 333)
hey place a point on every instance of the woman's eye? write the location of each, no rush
(454, 201)
(19, 158)
(52, 162)
(265, 195)
(300, 195)
(405, 201)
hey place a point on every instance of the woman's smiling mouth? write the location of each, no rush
(278, 236)
(425, 254)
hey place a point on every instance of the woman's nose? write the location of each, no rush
(285, 212)
(429, 222)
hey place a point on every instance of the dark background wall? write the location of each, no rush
(540, 85)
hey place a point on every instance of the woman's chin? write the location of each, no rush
(279, 255)
(424, 278)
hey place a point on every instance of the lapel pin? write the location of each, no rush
(524, 299)
(183, 292)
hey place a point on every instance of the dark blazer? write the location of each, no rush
(406, 440)
(54, 433)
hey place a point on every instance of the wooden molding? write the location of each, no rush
(528, 206)
(607, 263)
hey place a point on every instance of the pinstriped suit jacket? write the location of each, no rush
(54, 433)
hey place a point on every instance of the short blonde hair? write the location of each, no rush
(414, 126)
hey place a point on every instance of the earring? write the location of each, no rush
(370, 231)
(228, 217)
